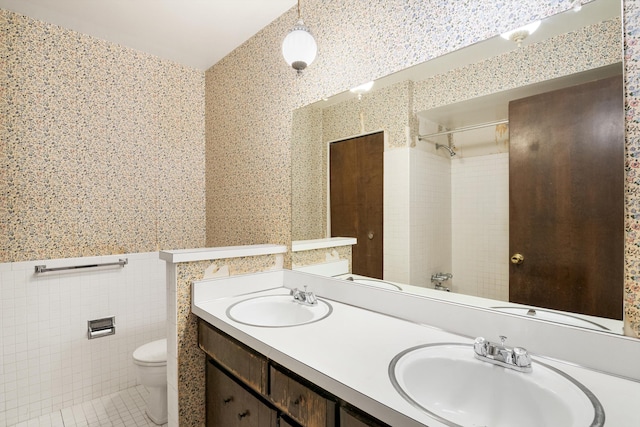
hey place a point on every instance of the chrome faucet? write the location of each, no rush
(304, 297)
(516, 358)
(438, 278)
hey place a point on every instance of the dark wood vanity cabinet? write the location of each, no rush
(229, 404)
(299, 401)
(242, 361)
(244, 388)
(354, 418)
(285, 423)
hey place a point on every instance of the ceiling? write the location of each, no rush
(195, 33)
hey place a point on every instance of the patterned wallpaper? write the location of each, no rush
(251, 93)
(191, 360)
(591, 47)
(308, 160)
(631, 32)
(389, 108)
(393, 108)
(102, 147)
(101, 143)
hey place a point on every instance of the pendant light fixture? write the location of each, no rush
(299, 48)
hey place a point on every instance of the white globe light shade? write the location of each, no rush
(299, 48)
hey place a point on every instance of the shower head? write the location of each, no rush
(446, 147)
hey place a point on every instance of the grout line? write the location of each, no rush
(121, 409)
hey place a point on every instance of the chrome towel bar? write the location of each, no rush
(43, 268)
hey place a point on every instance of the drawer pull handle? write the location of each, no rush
(241, 415)
(228, 400)
(299, 400)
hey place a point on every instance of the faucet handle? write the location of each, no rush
(303, 297)
(521, 357)
(297, 294)
(311, 298)
(480, 346)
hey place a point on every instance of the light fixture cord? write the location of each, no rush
(298, 10)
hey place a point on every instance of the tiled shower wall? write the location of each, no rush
(102, 147)
(480, 225)
(417, 215)
(46, 361)
(430, 216)
(449, 216)
(396, 225)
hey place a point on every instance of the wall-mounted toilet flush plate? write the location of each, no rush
(101, 327)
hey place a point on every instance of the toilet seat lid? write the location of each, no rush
(153, 352)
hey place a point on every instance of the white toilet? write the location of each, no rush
(151, 370)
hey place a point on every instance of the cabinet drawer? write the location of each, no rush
(285, 423)
(248, 365)
(229, 404)
(300, 402)
(352, 418)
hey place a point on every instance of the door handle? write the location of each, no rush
(517, 259)
(370, 235)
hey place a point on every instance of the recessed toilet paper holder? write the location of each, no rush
(101, 327)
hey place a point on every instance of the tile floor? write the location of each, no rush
(125, 408)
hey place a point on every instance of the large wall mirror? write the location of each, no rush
(470, 140)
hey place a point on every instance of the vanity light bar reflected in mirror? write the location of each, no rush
(563, 23)
(519, 34)
(361, 89)
(365, 87)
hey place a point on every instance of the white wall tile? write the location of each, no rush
(480, 230)
(47, 362)
(430, 216)
(396, 215)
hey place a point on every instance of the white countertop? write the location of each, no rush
(582, 320)
(203, 254)
(329, 242)
(348, 353)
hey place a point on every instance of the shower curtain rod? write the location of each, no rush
(464, 128)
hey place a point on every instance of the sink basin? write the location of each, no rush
(451, 385)
(552, 316)
(276, 311)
